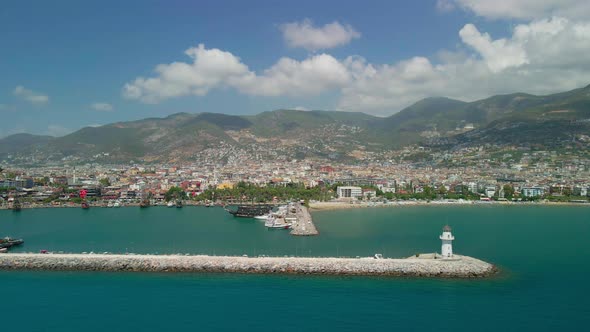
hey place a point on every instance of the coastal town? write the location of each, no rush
(474, 174)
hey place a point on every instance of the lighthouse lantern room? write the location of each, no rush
(447, 242)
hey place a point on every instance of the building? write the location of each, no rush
(349, 192)
(532, 191)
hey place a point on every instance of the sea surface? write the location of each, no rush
(542, 251)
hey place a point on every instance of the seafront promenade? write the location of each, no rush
(458, 267)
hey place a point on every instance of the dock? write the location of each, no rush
(303, 225)
(458, 267)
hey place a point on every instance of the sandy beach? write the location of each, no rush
(335, 205)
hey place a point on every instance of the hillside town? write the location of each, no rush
(477, 174)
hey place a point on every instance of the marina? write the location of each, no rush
(530, 275)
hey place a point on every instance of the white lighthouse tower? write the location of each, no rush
(447, 242)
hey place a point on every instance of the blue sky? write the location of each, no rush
(69, 64)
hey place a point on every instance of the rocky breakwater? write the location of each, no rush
(460, 267)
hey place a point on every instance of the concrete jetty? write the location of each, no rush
(458, 267)
(304, 225)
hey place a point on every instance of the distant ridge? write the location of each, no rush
(516, 118)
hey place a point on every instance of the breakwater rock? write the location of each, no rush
(460, 267)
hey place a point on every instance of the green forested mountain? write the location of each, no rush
(504, 119)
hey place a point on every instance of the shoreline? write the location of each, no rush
(324, 206)
(327, 206)
(457, 267)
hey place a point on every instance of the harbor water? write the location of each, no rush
(542, 252)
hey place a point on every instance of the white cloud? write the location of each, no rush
(301, 108)
(498, 54)
(290, 77)
(524, 9)
(102, 107)
(445, 5)
(304, 34)
(214, 68)
(210, 68)
(544, 56)
(57, 130)
(30, 96)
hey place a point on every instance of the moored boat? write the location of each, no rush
(179, 203)
(8, 242)
(170, 204)
(85, 205)
(275, 223)
(250, 211)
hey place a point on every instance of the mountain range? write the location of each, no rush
(511, 119)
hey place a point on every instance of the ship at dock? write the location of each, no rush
(7, 243)
(250, 211)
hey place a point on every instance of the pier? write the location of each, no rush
(304, 225)
(458, 267)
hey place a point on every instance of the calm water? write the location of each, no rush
(543, 252)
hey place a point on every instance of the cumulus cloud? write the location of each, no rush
(445, 5)
(304, 34)
(542, 56)
(524, 9)
(498, 54)
(30, 96)
(290, 77)
(214, 68)
(57, 130)
(102, 107)
(210, 68)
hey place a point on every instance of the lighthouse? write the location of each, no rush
(447, 242)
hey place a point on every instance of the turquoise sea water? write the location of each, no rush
(543, 253)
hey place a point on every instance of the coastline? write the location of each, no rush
(457, 267)
(337, 205)
(325, 206)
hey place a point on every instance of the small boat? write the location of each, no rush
(273, 223)
(8, 242)
(117, 204)
(110, 204)
(85, 205)
(262, 217)
(179, 204)
(144, 203)
(170, 204)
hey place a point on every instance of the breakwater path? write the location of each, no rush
(304, 225)
(460, 267)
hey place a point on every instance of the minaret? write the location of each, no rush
(447, 242)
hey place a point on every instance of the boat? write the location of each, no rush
(117, 204)
(274, 223)
(262, 217)
(250, 211)
(179, 204)
(110, 204)
(8, 242)
(170, 204)
(85, 205)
